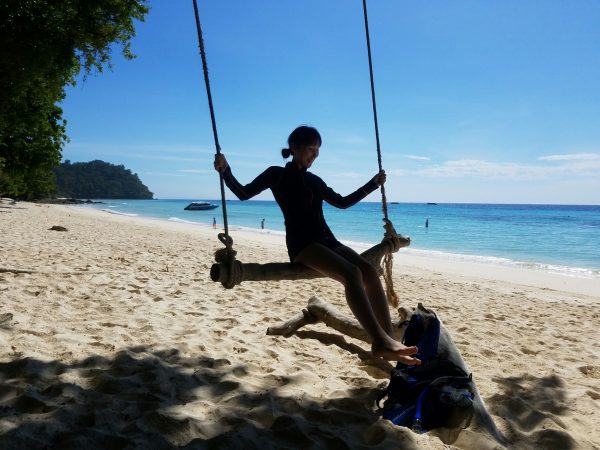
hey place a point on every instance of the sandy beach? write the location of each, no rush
(112, 335)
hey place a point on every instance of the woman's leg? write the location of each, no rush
(373, 287)
(333, 265)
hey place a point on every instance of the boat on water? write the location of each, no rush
(200, 206)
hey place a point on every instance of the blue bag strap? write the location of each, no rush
(418, 419)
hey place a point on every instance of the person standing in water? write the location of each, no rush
(214, 223)
(300, 195)
(262, 224)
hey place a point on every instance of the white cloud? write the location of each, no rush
(417, 158)
(571, 157)
(486, 169)
(397, 172)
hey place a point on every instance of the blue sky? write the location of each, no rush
(492, 102)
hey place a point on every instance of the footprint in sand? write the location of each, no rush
(267, 369)
(229, 322)
(8, 393)
(272, 354)
(590, 371)
(108, 347)
(111, 325)
(211, 363)
(31, 405)
(568, 338)
(529, 351)
(593, 394)
(5, 318)
(276, 380)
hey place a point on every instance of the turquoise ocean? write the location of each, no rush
(552, 238)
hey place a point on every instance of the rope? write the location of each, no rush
(388, 259)
(223, 237)
(227, 255)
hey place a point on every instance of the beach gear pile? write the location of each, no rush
(436, 394)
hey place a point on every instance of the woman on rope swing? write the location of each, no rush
(300, 196)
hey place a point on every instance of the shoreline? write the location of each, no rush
(555, 267)
(450, 264)
(112, 334)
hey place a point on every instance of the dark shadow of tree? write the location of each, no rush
(531, 407)
(147, 398)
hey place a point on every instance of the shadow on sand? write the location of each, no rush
(148, 398)
(144, 398)
(531, 407)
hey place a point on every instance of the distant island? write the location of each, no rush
(98, 179)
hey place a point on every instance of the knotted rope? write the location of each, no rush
(226, 255)
(388, 260)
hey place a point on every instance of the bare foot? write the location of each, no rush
(397, 352)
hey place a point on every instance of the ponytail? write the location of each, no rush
(286, 152)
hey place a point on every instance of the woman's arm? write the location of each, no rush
(339, 201)
(264, 181)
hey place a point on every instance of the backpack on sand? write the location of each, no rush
(435, 394)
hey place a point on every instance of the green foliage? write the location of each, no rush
(45, 45)
(98, 179)
(3, 177)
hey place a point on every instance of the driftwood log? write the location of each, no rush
(319, 310)
(481, 432)
(232, 273)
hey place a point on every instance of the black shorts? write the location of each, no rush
(294, 248)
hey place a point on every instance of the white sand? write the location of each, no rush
(118, 337)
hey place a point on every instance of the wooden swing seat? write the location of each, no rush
(233, 272)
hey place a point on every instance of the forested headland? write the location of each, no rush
(98, 179)
(46, 45)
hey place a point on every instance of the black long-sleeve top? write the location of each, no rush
(300, 196)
